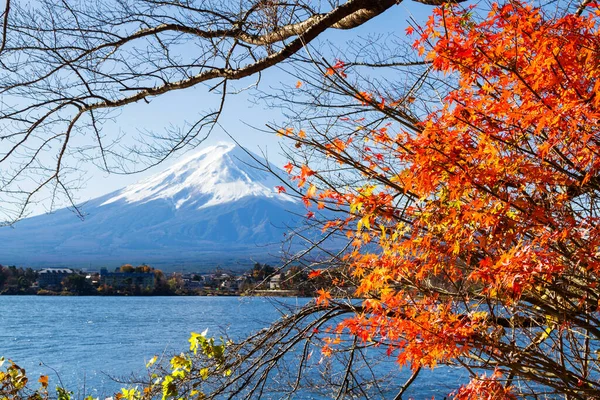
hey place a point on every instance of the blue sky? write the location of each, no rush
(239, 112)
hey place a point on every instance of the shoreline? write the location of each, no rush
(254, 293)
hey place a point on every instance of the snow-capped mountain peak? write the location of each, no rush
(214, 175)
(215, 207)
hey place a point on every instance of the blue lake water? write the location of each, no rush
(86, 340)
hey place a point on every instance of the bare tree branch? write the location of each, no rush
(67, 67)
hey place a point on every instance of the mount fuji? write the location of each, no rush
(216, 207)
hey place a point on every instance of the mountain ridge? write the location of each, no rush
(215, 206)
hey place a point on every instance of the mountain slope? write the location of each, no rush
(214, 207)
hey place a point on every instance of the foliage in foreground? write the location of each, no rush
(181, 377)
(475, 228)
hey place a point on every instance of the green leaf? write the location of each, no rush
(63, 394)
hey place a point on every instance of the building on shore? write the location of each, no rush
(120, 280)
(275, 282)
(51, 278)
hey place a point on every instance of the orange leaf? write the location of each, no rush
(288, 167)
(324, 297)
(43, 380)
(315, 273)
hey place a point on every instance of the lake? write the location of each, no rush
(87, 340)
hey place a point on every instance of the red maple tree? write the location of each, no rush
(475, 232)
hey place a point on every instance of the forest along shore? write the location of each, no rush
(143, 280)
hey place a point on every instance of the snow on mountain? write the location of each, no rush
(216, 206)
(213, 176)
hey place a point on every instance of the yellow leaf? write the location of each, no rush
(365, 221)
(456, 248)
(151, 362)
(204, 373)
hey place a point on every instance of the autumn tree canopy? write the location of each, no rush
(474, 224)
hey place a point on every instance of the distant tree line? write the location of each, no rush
(20, 280)
(16, 280)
